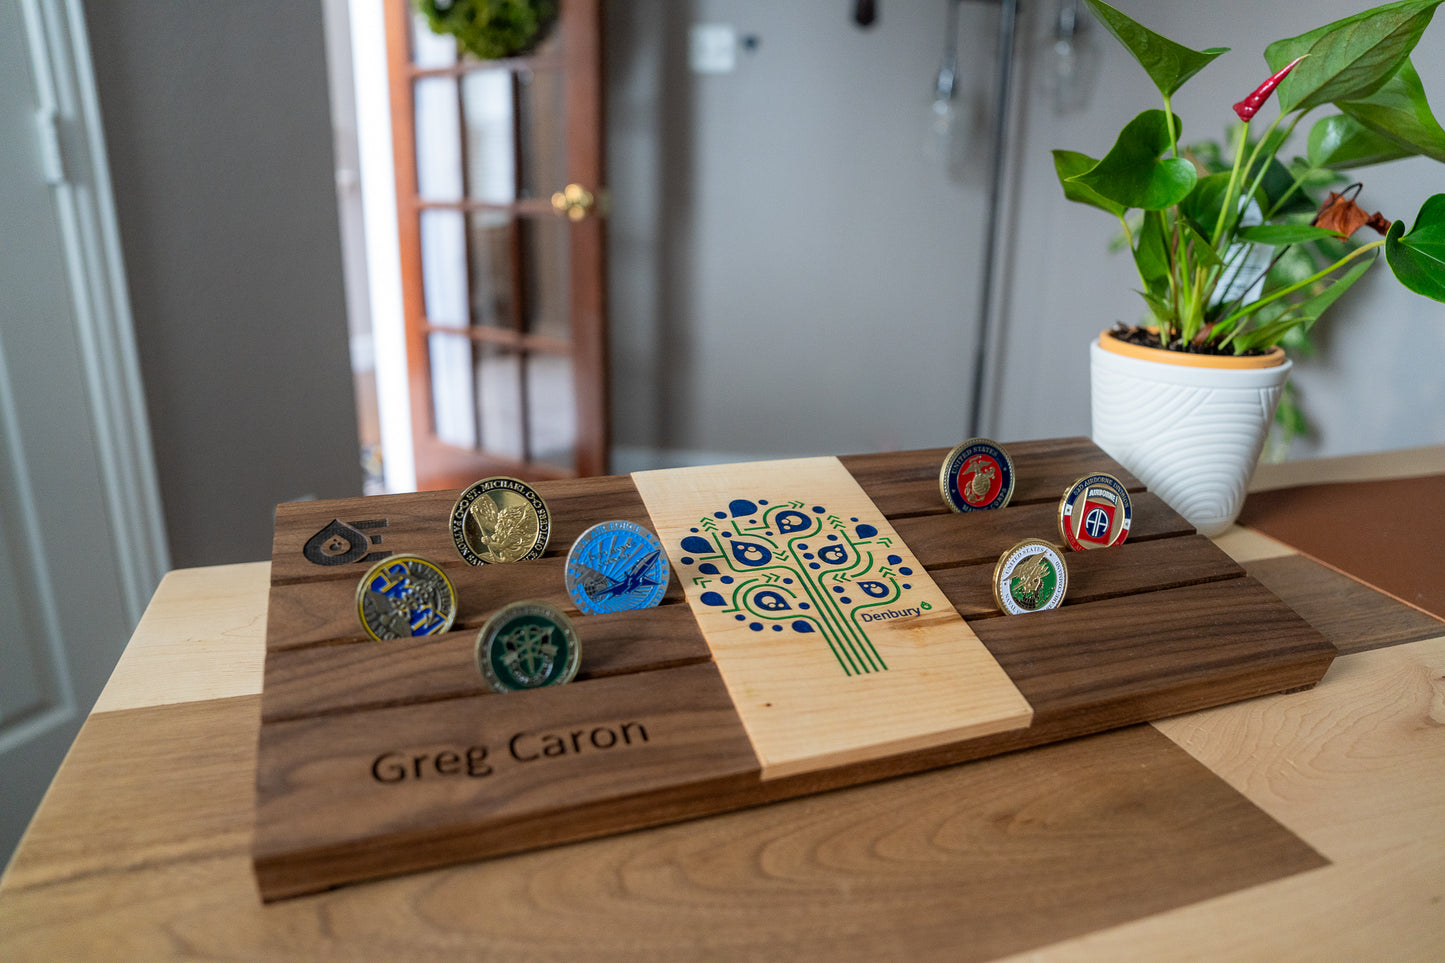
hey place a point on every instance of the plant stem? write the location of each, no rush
(1169, 125)
(1259, 176)
(1129, 239)
(1254, 306)
(1228, 202)
(1294, 186)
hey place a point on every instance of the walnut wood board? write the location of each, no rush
(835, 644)
(380, 758)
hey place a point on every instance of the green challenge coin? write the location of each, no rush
(527, 645)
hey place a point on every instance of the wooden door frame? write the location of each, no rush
(581, 21)
(439, 465)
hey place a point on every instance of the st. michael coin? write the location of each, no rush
(500, 520)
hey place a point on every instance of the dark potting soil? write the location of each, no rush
(1150, 339)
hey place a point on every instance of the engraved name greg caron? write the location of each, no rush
(483, 758)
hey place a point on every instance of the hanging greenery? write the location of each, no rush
(491, 29)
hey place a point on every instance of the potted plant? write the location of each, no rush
(1184, 401)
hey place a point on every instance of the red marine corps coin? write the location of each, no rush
(977, 475)
(1095, 513)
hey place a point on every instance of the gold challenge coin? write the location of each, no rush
(977, 475)
(1095, 512)
(500, 520)
(1030, 577)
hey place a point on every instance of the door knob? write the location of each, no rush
(576, 202)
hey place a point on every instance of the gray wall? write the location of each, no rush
(790, 274)
(219, 134)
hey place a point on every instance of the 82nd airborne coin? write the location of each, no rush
(1030, 577)
(1095, 513)
(404, 596)
(977, 475)
(527, 645)
(614, 567)
(500, 520)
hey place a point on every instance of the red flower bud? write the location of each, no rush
(1249, 106)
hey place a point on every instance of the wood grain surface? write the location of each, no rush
(1117, 846)
(1349, 613)
(907, 483)
(475, 774)
(870, 677)
(1404, 552)
(1114, 846)
(1165, 624)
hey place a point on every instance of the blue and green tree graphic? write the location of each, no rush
(795, 568)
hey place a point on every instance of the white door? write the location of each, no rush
(81, 541)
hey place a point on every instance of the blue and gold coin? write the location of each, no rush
(1095, 512)
(403, 596)
(616, 566)
(500, 520)
(1030, 577)
(527, 645)
(977, 475)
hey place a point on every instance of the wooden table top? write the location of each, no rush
(1289, 826)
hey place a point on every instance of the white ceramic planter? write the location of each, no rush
(1192, 434)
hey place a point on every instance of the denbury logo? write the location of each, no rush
(892, 614)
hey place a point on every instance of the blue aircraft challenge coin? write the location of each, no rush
(614, 567)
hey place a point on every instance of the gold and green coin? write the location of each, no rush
(528, 645)
(403, 596)
(1030, 577)
(500, 519)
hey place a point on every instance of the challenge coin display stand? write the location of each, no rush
(828, 622)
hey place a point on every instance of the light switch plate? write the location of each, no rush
(712, 48)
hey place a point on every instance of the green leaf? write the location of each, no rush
(1399, 112)
(1132, 173)
(1317, 305)
(1339, 142)
(1281, 195)
(1278, 235)
(1152, 255)
(1349, 59)
(1418, 258)
(1203, 203)
(1306, 312)
(1158, 307)
(1204, 252)
(1167, 63)
(1071, 163)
